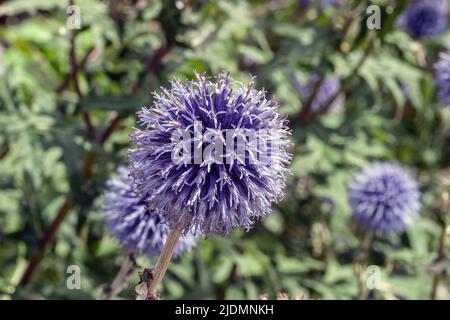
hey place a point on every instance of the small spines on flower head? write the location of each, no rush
(384, 198)
(213, 192)
(138, 230)
(442, 77)
(328, 87)
(425, 18)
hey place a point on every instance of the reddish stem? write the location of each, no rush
(86, 173)
(45, 241)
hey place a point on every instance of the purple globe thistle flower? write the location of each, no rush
(425, 18)
(442, 77)
(384, 197)
(328, 88)
(139, 230)
(219, 195)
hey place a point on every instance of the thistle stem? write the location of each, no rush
(117, 285)
(365, 250)
(164, 259)
(440, 257)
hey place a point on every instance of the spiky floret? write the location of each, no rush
(442, 77)
(139, 230)
(384, 197)
(212, 195)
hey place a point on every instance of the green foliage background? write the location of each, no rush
(55, 81)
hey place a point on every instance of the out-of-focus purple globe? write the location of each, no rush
(384, 197)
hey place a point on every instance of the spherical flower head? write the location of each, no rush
(442, 77)
(384, 198)
(213, 190)
(138, 229)
(328, 87)
(425, 18)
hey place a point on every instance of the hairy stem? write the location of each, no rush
(164, 259)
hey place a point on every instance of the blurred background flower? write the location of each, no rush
(317, 92)
(139, 229)
(321, 4)
(425, 18)
(442, 77)
(384, 198)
